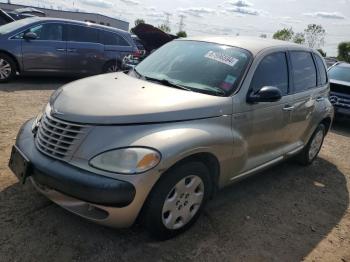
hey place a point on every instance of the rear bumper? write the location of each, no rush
(101, 199)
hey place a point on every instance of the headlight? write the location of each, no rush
(36, 123)
(37, 120)
(132, 160)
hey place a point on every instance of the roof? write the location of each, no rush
(343, 64)
(252, 44)
(36, 19)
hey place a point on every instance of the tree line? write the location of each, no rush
(313, 36)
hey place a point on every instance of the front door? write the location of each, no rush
(262, 128)
(47, 53)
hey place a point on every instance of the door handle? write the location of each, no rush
(319, 99)
(60, 49)
(71, 50)
(288, 108)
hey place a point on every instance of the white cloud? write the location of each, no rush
(98, 3)
(155, 14)
(244, 10)
(130, 2)
(329, 15)
(196, 11)
(240, 3)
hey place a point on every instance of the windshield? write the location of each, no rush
(5, 29)
(340, 73)
(202, 67)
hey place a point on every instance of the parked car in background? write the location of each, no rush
(330, 61)
(150, 38)
(50, 46)
(22, 13)
(156, 144)
(5, 18)
(339, 77)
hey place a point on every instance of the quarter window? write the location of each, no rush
(322, 70)
(272, 71)
(304, 71)
(109, 38)
(82, 34)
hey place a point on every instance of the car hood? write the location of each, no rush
(151, 37)
(118, 98)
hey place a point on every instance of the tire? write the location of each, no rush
(110, 67)
(313, 147)
(7, 68)
(170, 211)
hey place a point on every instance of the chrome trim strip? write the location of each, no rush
(294, 151)
(257, 168)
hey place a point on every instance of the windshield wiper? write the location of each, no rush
(216, 90)
(168, 83)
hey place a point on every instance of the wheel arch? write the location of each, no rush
(327, 122)
(208, 159)
(18, 67)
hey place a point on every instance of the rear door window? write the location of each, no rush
(322, 70)
(109, 38)
(82, 34)
(272, 71)
(304, 71)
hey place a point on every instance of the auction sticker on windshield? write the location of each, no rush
(222, 58)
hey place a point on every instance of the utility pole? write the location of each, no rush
(181, 24)
(167, 20)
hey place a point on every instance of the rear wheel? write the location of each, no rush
(111, 67)
(177, 200)
(7, 68)
(310, 152)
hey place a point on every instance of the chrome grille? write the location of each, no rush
(57, 138)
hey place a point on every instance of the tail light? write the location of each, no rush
(137, 53)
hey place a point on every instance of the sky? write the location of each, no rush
(223, 17)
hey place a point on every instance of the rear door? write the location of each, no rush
(84, 52)
(115, 46)
(47, 53)
(306, 96)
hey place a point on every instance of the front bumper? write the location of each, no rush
(101, 199)
(340, 102)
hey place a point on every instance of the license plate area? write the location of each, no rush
(19, 164)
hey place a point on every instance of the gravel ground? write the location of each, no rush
(288, 213)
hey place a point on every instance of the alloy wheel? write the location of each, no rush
(5, 69)
(112, 68)
(183, 202)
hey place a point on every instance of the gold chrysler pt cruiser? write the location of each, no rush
(155, 144)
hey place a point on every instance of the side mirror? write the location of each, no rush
(265, 94)
(30, 36)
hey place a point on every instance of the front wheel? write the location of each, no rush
(177, 200)
(311, 150)
(7, 68)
